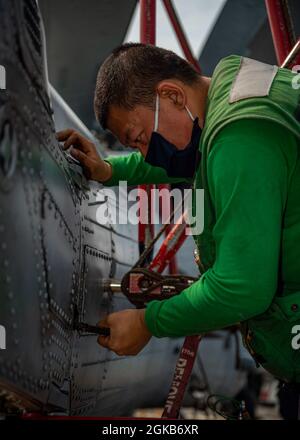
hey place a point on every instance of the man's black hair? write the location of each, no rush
(129, 76)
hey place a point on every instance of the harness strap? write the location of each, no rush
(183, 370)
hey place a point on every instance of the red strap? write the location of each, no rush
(183, 370)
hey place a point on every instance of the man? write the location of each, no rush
(243, 125)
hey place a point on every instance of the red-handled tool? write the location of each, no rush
(142, 285)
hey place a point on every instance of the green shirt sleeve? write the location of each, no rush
(133, 169)
(248, 174)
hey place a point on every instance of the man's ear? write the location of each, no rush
(174, 92)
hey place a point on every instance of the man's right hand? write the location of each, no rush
(85, 152)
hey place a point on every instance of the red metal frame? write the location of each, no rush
(172, 262)
(148, 21)
(182, 39)
(174, 240)
(281, 27)
(147, 36)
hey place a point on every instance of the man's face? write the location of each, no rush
(134, 127)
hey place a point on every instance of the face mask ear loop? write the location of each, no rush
(190, 114)
(156, 113)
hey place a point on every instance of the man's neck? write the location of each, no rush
(199, 98)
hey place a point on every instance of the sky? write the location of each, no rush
(196, 16)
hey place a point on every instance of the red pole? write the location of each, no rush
(148, 21)
(180, 34)
(172, 261)
(281, 28)
(147, 36)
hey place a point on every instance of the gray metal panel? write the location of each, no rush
(41, 209)
(79, 37)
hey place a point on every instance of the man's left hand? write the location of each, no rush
(128, 332)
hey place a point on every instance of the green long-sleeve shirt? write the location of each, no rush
(253, 177)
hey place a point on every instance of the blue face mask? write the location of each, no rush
(162, 153)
